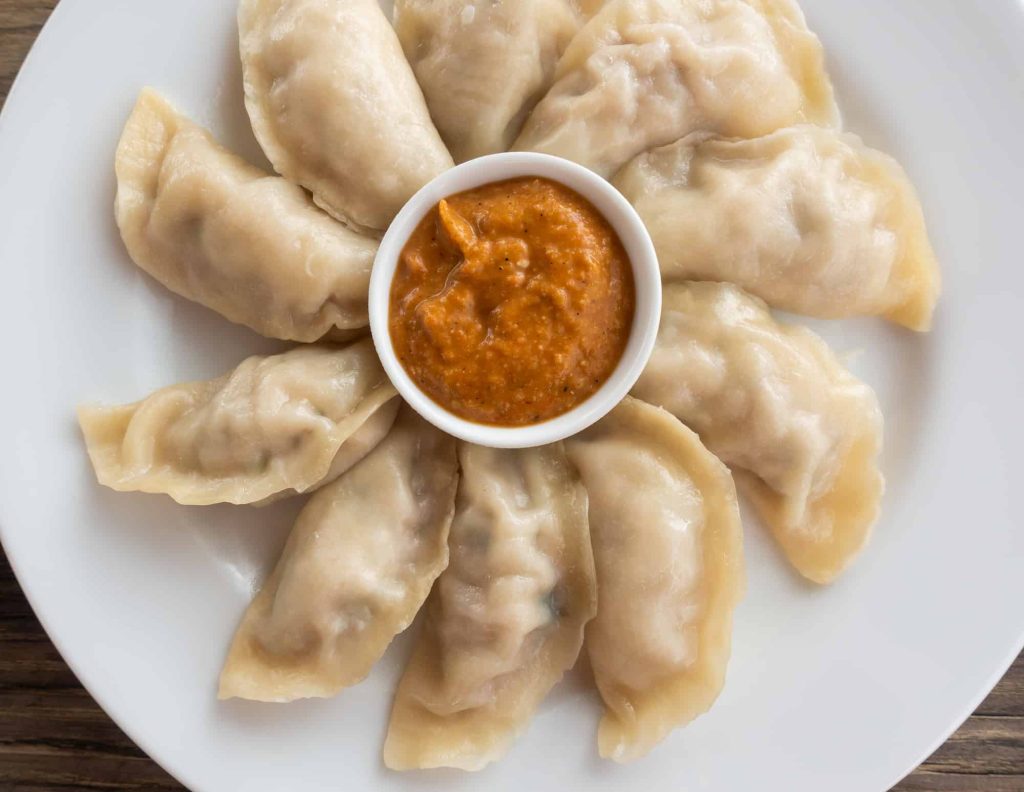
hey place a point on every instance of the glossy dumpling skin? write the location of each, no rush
(643, 73)
(274, 426)
(809, 219)
(668, 546)
(358, 565)
(802, 434)
(506, 618)
(335, 105)
(223, 233)
(483, 64)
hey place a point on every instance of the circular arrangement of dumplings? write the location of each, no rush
(716, 119)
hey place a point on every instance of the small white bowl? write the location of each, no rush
(635, 239)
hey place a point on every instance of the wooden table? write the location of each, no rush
(53, 736)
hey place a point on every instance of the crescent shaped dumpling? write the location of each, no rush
(357, 566)
(644, 73)
(809, 219)
(222, 233)
(505, 620)
(273, 427)
(335, 106)
(801, 433)
(483, 64)
(668, 547)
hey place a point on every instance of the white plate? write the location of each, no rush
(845, 688)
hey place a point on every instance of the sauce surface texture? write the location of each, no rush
(512, 303)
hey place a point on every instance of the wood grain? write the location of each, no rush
(54, 738)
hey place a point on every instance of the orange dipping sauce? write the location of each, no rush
(512, 303)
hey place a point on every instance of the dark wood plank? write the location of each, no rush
(54, 738)
(20, 21)
(28, 14)
(928, 781)
(1008, 697)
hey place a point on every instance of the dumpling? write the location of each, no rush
(335, 105)
(483, 64)
(274, 426)
(802, 434)
(223, 233)
(668, 546)
(809, 219)
(643, 73)
(358, 565)
(506, 618)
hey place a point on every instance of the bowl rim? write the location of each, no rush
(639, 248)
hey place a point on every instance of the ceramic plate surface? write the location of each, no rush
(844, 688)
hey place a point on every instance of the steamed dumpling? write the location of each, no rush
(358, 565)
(668, 547)
(335, 105)
(274, 426)
(809, 219)
(483, 64)
(223, 233)
(643, 73)
(772, 401)
(506, 618)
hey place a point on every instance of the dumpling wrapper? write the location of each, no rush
(644, 73)
(809, 219)
(668, 546)
(505, 620)
(357, 567)
(273, 427)
(335, 106)
(220, 232)
(801, 433)
(484, 64)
